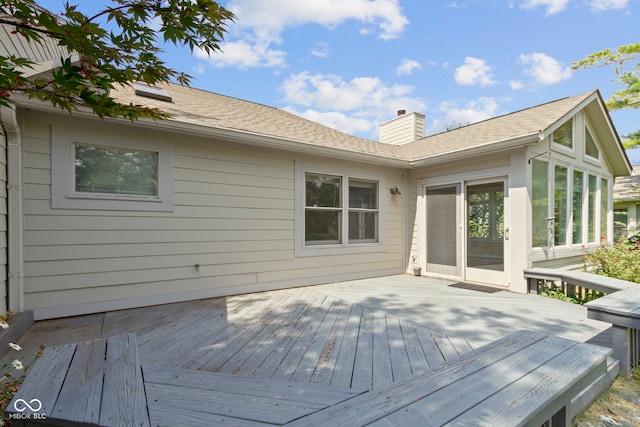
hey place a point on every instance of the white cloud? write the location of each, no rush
(608, 4)
(260, 23)
(279, 14)
(407, 66)
(336, 120)
(516, 85)
(552, 6)
(474, 72)
(252, 51)
(321, 50)
(359, 103)
(471, 112)
(544, 69)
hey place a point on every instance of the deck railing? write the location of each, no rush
(607, 299)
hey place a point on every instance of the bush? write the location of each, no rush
(620, 260)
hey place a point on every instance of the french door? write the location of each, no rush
(486, 235)
(465, 234)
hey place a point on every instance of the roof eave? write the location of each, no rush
(491, 147)
(232, 135)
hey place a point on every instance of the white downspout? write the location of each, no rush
(15, 184)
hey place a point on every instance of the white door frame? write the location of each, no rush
(463, 179)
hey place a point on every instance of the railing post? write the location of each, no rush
(621, 337)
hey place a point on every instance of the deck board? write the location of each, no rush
(236, 397)
(81, 393)
(343, 371)
(363, 363)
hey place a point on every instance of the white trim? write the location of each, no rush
(15, 227)
(346, 172)
(63, 194)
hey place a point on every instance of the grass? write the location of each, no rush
(619, 406)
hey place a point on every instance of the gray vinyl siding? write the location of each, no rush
(233, 216)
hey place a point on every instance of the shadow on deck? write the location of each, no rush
(265, 357)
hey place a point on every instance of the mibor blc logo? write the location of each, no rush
(34, 406)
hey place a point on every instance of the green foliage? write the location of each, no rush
(550, 289)
(620, 260)
(117, 45)
(629, 96)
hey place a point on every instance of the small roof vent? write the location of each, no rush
(151, 92)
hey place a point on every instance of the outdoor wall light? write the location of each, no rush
(395, 191)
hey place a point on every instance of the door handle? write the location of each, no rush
(506, 234)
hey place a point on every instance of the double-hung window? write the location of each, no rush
(340, 210)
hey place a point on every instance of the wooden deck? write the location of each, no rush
(336, 340)
(300, 335)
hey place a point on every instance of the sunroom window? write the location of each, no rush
(560, 205)
(578, 196)
(540, 202)
(567, 205)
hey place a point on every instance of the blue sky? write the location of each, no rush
(351, 64)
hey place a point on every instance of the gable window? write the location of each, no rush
(117, 173)
(324, 222)
(564, 134)
(590, 146)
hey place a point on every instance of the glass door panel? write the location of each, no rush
(485, 239)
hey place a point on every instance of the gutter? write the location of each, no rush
(15, 188)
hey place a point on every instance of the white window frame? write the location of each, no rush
(345, 247)
(598, 220)
(64, 195)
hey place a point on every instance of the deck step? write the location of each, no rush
(524, 379)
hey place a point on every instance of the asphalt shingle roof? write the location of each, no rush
(218, 111)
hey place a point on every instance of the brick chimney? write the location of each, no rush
(403, 129)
